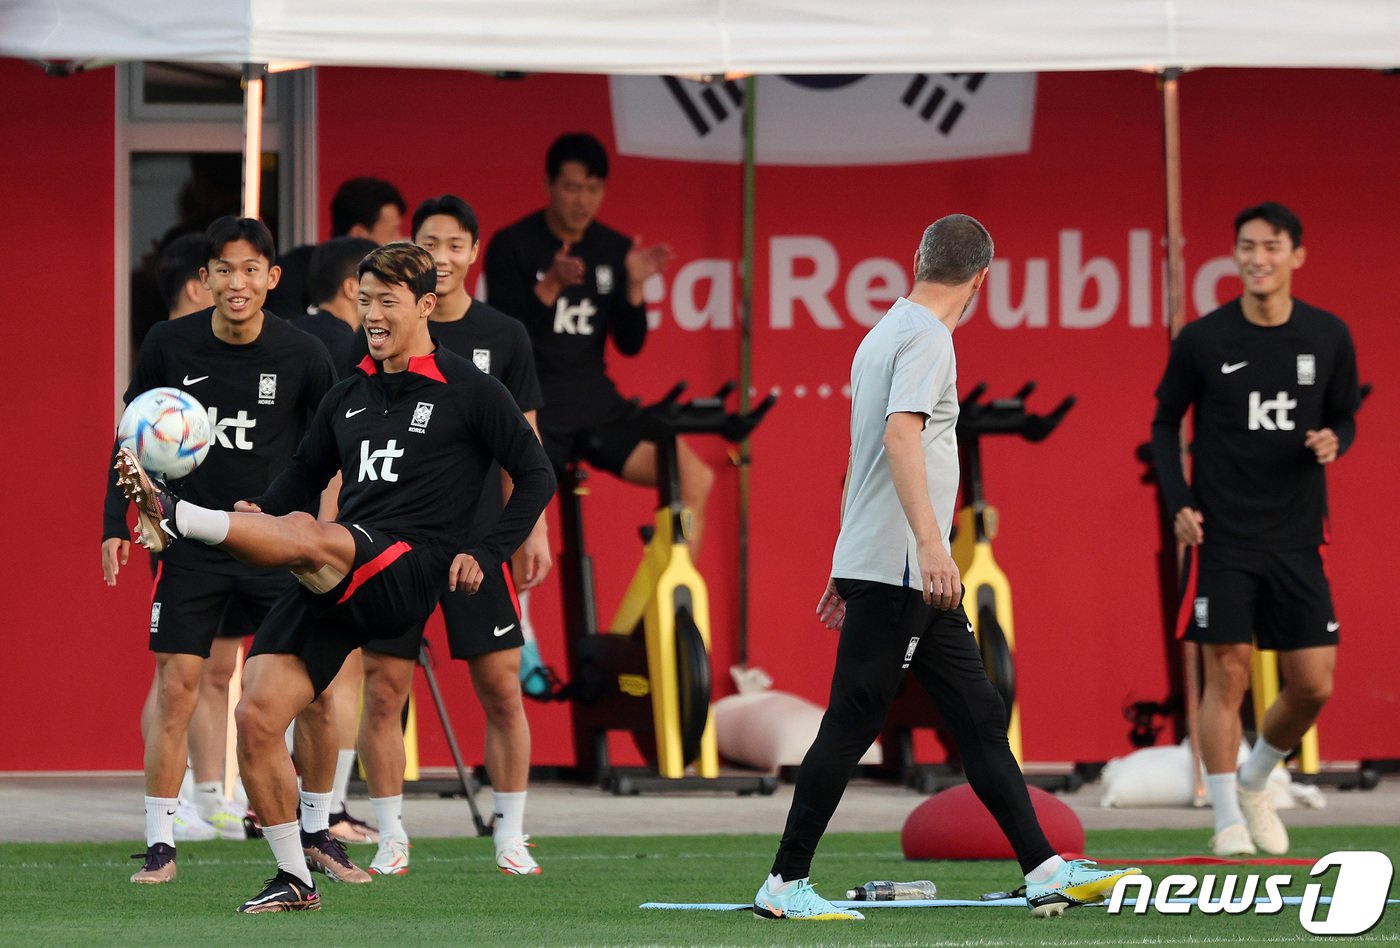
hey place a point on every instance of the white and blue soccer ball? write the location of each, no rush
(169, 431)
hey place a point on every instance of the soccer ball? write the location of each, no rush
(169, 431)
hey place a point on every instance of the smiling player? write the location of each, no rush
(413, 432)
(1272, 385)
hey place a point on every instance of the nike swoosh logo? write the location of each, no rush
(500, 632)
(364, 531)
(352, 412)
(190, 381)
(1333, 626)
(1226, 368)
(169, 812)
(265, 898)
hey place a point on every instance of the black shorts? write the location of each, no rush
(189, 608)
(488, 621)
(1279, 600)
(392, 586)
(605, 445)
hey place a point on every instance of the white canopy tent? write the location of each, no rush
(713, 37)
(719, 38)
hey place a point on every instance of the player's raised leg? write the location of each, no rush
(320, 553)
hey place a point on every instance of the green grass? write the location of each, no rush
(78, 894)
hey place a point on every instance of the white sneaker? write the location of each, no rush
(227, 818)
(1265, 827)
(391, 859)
(514, 859)
(1233, 840)
(189, 828)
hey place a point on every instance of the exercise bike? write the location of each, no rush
(648, 673)
(986, 590)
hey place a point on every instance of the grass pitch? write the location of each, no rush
(78, 894)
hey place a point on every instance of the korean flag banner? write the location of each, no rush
(828, 120)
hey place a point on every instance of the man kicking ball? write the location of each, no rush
(413, 432)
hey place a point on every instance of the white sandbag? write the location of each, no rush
(1153, 776)
(1161, 776)
(766, 730)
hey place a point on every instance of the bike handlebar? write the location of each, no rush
(1007, 415)
(670, 416)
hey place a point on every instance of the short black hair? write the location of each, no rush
(226, 230)
(402, 264)
(1276, 216)
(359, 201)
(452, 206)
(180, 261)
(577, 146)
(332, 263)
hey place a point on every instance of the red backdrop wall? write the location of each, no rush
(1077, 222)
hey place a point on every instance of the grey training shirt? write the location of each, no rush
(905, 363)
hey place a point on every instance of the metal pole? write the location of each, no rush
(1171, 133)
(746, 355)
(253, 76)
(1176, 320)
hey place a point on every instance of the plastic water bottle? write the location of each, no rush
(892, 891)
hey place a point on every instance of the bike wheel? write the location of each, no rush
(997, 657)
(694, 681)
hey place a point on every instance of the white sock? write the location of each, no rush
(1254, 772)
(315, 811)
(777, 886)
(388, 813)
(510, 815)
(285, 840)
(289, 738)
(1045, 871)
(187, 785)
(344, 763)
(160, 820)
(208, 797)
(1221, 788)
(200, 523)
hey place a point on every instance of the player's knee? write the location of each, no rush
(1229, 678)
(697, 483)
(505, 706)
(319, 714)
(500, 695)
(305, 534)
(177, 693)
(384, 698)
(212, 684)
(256, 729)
(1311, 695)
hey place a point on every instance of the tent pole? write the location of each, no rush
(746, 356)
(1171, 129)
(253, 76)
(1176, 320)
